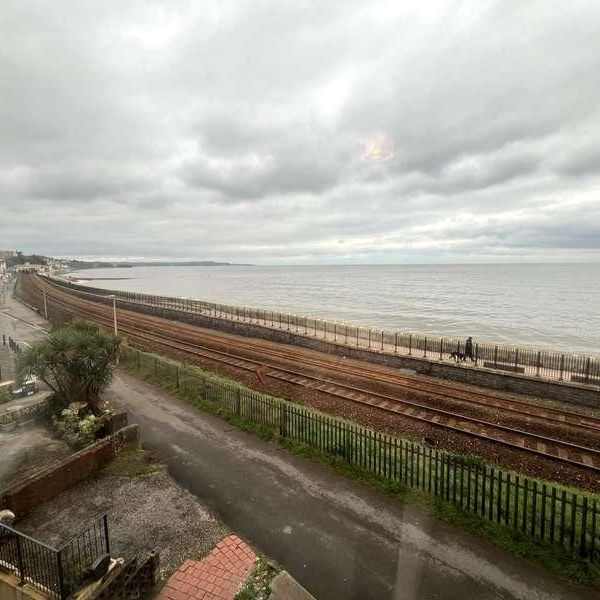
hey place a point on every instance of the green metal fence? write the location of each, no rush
(542, 511)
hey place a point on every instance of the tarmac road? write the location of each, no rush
(338, 538)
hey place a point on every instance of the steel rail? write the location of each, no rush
(304, 380)
(545, 415)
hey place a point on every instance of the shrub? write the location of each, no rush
(81, 430)
(76, 362)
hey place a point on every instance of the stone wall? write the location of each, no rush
(510, 382)
(134, 580)
(117, 422)
(26, 494)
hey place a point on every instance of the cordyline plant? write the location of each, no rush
(77, 363)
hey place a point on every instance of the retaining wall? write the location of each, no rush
(26, 494)
(509, 382)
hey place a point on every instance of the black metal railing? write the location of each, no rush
(57, 572)
(82, 550)
(30, 560)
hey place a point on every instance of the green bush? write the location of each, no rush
(81, 430)
(76, 362)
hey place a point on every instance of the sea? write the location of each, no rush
(544, 305)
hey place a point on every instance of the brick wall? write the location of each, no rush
(26, 494)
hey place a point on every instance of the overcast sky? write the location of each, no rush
(291, 131)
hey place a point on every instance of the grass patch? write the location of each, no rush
(258, 584)
(553, 558)
(133, 462)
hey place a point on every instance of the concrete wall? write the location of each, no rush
(509, 382)
(26, 494)
(10, 589)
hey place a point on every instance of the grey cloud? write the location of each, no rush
(238, 130)
(581, 163)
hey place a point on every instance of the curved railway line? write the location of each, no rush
(181, 338)
(547, 415)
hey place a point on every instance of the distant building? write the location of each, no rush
(27, 267)
(4, 254)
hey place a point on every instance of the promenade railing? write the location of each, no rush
(530, 361)
(540, 511)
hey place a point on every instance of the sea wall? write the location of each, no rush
(509, 382)
(494, 378)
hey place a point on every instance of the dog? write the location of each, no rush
(460, 357)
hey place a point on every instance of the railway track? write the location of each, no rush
(554, 449)
(436, 390)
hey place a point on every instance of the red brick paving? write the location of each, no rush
(219, 576)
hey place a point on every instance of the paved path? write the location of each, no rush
(23, 325)
(336, 537)
(218, 576)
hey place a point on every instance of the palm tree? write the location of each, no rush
(76, 362)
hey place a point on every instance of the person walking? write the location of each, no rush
(469, 349)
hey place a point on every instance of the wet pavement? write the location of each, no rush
(23, 325)
(338, 538)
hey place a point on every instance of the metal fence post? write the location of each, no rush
(539, 362)
(20, 562)
(584, 512)
(562, 367)
(587, 370)
(283, 420)
(382, 340)
(409, 344)
(61, 578)
(106, 541)
(396, 343)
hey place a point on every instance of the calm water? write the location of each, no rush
(556, 306)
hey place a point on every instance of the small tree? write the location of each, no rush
(77, 363)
